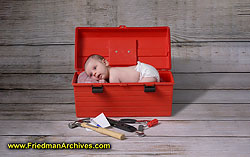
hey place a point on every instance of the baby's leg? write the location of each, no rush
(148, 79)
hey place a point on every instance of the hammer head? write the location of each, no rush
(73, 125)
(77, 123)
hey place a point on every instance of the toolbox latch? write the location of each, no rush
(149, 88)
(97, 89)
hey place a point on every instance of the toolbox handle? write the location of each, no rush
(122, 26)
(149, 88)
(97, 89)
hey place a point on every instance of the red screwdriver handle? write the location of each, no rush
(152, 123)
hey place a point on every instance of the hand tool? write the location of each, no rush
(147, 123)
(140, 132)
(141, 128)
(77, 123)
(85, 123)
(121, 125)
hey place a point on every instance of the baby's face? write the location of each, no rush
(96, 69)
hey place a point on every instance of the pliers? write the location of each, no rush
(141, 128)
(147, 123)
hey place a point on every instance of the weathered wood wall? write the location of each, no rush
(210, 58)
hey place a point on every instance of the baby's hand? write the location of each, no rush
(102, 81)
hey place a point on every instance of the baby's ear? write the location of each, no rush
(105, 62)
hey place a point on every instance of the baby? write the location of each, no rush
(97, 68)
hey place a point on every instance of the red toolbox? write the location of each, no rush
(124, 46)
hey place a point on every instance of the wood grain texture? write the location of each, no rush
(191, 20)
(53, 22)
(37, 59)
(36, 81)
(163, 129)
(211, 57)
(66, 112)
(210, 62)
(212, 81)
(135, 146)
(182, 81)
(36, 96)
(188, 57)
(179, 96)
(211, 96)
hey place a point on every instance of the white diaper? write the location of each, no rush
(147, 70)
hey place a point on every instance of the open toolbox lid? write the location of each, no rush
(124, 46)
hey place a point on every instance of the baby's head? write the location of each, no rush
(97, 67)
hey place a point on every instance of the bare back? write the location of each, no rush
(124, 74)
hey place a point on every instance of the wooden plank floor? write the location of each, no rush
(195, 129)
(210, 46)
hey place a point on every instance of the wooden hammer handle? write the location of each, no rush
(103, 131)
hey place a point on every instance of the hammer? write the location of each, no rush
(85, 124)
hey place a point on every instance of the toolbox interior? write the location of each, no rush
(124, 47)
(165, 76)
